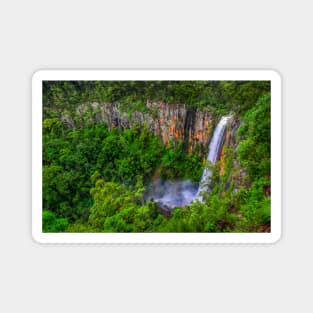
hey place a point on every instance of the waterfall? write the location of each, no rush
(171, 194)
(214, 150)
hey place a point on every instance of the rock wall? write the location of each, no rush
(171, 122)
(238, 174)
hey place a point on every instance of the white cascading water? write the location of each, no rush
(214, 150)
(171, 194)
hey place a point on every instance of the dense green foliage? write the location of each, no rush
(126, 157)
(255, 147)
(94, 179)
(224, 95)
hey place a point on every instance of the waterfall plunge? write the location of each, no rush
(214, 151)
(171, 194)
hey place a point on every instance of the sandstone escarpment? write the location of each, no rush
(171, 122)
(238, 174)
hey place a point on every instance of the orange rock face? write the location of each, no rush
(222, 156)
(222, 160)
(179, 123)
(172, 122)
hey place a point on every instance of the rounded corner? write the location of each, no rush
(276, 74)
(276, 238)
(37, 75)
(36, 237)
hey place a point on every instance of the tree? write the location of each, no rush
(108, 199)
(52, 224)
(255, 147)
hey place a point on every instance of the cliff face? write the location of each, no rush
(171, 122)
(238, 174)
(229, 141)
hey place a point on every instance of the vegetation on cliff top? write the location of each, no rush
(225, 96)
(94, 179)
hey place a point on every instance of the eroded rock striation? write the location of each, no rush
(171, 122)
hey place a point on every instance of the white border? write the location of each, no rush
(42, 75)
